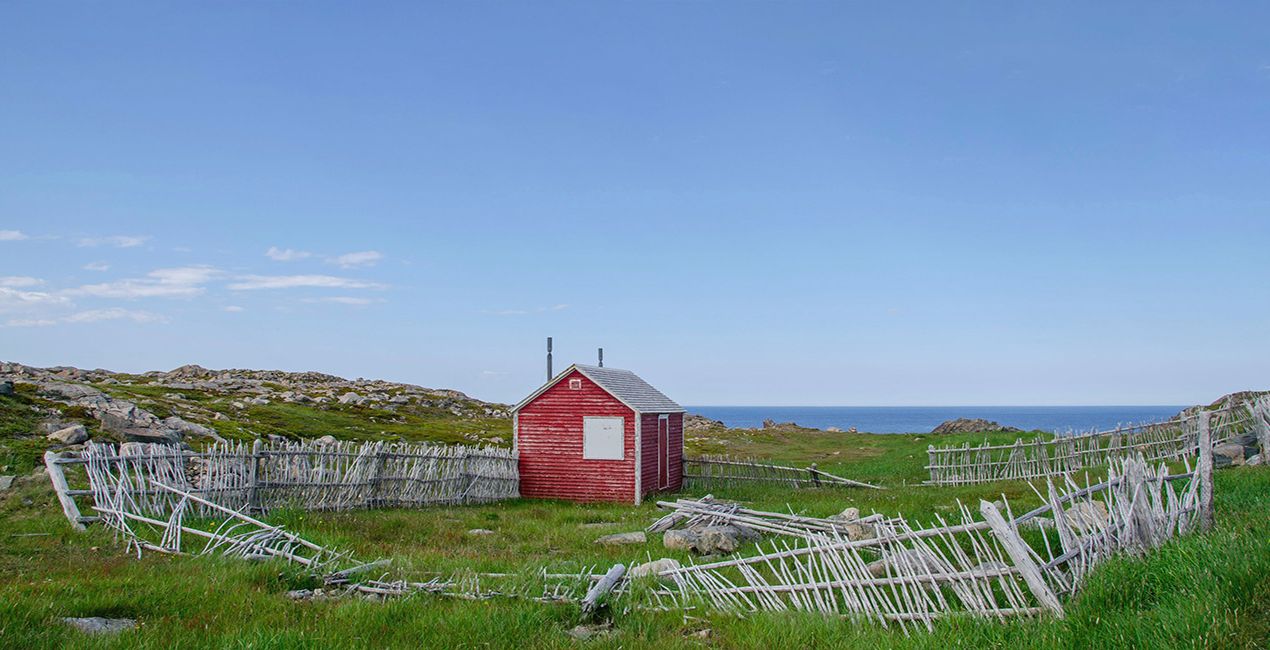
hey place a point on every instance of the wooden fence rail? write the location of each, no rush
(1168, 441)
(305, 475)
(721, 471)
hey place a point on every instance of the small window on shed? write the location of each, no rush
(602, 438)
(575, 384)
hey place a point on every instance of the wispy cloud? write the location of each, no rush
(118, 241)
(90, 316)
(19, 281)
(254, 282)
(180, 282)
(233, 309)
(346, 300)
(97, 266)
(286, 254)
(354, 260)
(114, 313)
(12, 235)
(12, 300)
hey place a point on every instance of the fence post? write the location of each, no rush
(58, 477)
(1020, 555)
(1261, 419)
(1204, 470)
(253, 477)
(815, 480)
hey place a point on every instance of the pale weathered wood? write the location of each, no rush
(1204, 471)
(1017, 549)
(58, 477)
(592, 600)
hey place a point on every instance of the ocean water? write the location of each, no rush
(922, 419)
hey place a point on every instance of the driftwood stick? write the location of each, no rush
(592, 600)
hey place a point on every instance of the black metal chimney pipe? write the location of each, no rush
(549, 375)
(601, 357)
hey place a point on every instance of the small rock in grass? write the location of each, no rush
(619, 539)
(480, 531)
(99, 625)
(585, 632)
(850, 514)
(1254, 460)
(654, 567)
(72, 435)
(703, 634)
(300, 594)
(6, 482)
(326, 440)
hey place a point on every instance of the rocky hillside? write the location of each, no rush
(193, 406)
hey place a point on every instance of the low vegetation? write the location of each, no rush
(1202, 590)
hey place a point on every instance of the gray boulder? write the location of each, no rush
(6, 387)
(185, 427)
(908, 561)
(351, 398)
(326, 440)
(97, 625)
(622, 539)
(680, 540)
(654, 567)
(72, 435)
(1230, 454)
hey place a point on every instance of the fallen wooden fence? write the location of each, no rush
(722, 471)
(1170, 440)
(983, 566)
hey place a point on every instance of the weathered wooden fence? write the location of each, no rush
(994, 565)
(721, 471)
(307, 475)
(1169, 440)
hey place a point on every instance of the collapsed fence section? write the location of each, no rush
(1171, 440)
(994, 565)
(306, 475)
(721, 471)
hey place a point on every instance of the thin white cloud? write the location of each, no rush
(118, 241)
(286, 254)
(233, 309)
(97, 266)
(346, 300)
(12, 300)
(114, 313)
(30, 322)
(90, 316)
(12, 235)
(254, 282)
(19, 281)
(180, 282)
(354, 260)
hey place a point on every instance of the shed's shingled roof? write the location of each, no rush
(625, 385)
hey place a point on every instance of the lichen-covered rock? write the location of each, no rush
(72, 435)
(970, 425)
(680, 540)
(621, 539)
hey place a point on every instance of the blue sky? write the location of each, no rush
(754, 203)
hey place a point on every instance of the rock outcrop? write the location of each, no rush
(971, 425)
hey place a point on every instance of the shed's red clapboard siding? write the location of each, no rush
(549, 440)
(650, 481)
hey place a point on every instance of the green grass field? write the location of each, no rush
(1210, 590)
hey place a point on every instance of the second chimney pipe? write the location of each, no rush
(549, 375)
(601, 357)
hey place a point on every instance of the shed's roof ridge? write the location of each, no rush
(625, 385)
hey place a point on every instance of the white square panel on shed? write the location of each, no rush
(602, 438)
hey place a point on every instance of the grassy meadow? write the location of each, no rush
(1210, 590)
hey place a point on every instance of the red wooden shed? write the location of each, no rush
(598, 434)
